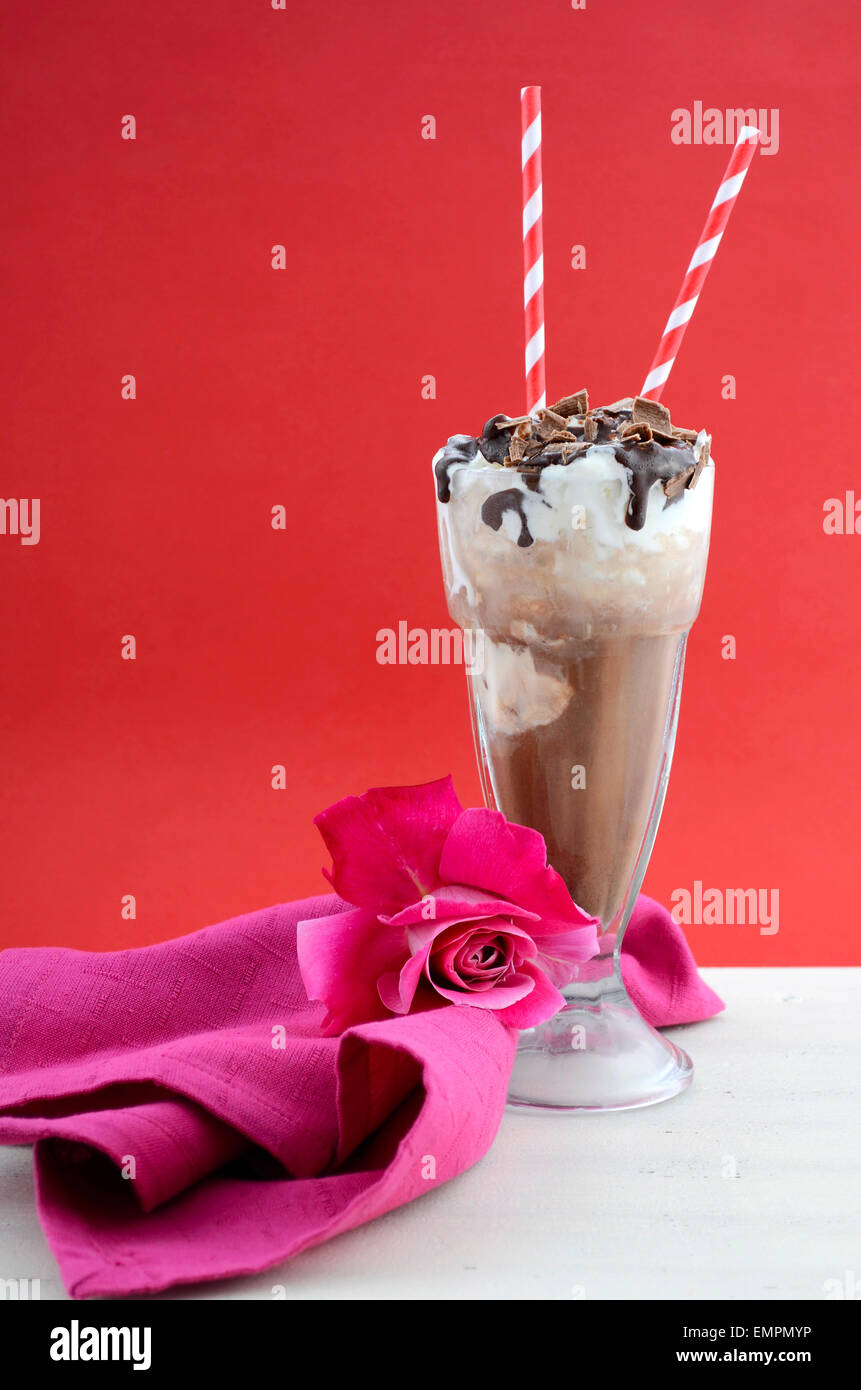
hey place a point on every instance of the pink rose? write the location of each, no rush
(449, 906)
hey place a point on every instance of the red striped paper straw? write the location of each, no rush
(701, 261)
(533, 246)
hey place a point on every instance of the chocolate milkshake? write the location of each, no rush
(576, 540)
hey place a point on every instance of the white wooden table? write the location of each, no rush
(745, 1187)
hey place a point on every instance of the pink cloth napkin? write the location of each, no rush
(196, 1068)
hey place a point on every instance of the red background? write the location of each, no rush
(256, 387)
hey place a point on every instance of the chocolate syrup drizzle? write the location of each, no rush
(511, 500)
(648, 464)
(654, 454)
(460, 448)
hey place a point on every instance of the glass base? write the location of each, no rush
(596, 1054)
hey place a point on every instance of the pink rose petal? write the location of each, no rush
(453, 903)
(397, 989)
(341, 957)
(385, 845)
(484, 850)
(541, 1003)
(439, 933)
(500, 999)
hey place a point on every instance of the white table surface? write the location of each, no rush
(636, 1205)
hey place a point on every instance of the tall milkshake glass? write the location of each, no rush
(576, 543)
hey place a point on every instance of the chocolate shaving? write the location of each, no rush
(518, 420)
(626, 403)
(705, 452)
(516, 449)
(674, 487)
(651, 413)
(547, 422)
(689, 436)
(636, 431)
(590, 429)
(577, 404)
